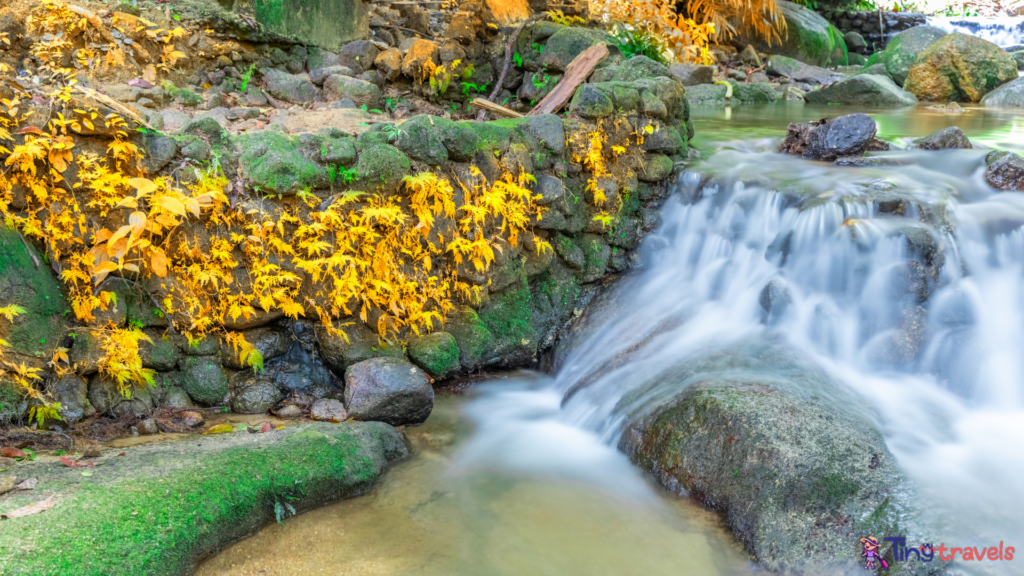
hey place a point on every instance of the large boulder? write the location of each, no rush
(569, 43)
(901, 52)
(1009, 95)
(1005, 170)
(864, 90)
(294, 88)
(808, 38)
(358, 55)
(356, 343)
(272, 163)
(790, 458)
(388, 390)
(414, 63)
(692, 74)
(849, 135)
(253, 394)
(798, 71)
(72, 392)
(959, 67)
(363, 93)
(204, 379)
(26, 280)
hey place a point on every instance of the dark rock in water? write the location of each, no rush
(910, 279)
(692, 75)
(901, 52)
(1018, 56)
(1009, 95)
(388, 390)
(901, 345)
(775, 300)
(871, 161)
(848, 135)
(1005, 170)
(865, 90)
(944, 139)
(798, 71)
(786, 455)
(252, 394)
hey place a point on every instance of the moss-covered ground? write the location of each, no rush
(160, 509)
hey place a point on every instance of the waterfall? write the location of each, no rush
(1005, 32)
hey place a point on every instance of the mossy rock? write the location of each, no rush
(156, 512)
(808, 37)
(959, 67)
(494, 136)
(204, 379)
(471, 334)
(30, 284)
(436, 353)
(419, 138)
(272, 162)
(568, 43)
(340, 151)
(509, 317)
(381, 165)
(904, 48)
(591, 102)
(635, 68)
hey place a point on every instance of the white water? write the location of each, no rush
(1004, 31)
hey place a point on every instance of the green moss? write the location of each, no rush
(187, 97)
(273, 163)
(437, 353)
(156, 511)
(471, 334)
(35, 289)
(496, 135)
(832, 491)
(381, 164)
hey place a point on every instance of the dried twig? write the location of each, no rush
(487, 105)
(508, 62)
(95, 21)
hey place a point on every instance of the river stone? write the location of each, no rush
(86, 350)
(291, 374)
(550, 189)
(268, 342)
(361, 92)
(26, 280)
(328, 410)
(148, 427)
(797, 71)
(72, 391)
(381, 164)
(1005, 170)
(864, 90)
(359, 343)
(848, 135)
(692, 74)
(775, 300)
(808, 37)
(1009, 95)
(436, 353)
(706, 94)
(959, 67)
(253, 394)
(548, 129)
(854, 42)
(945, 139)
(418, 139)
(902, 51)
(1018, 57)
(591, 102)
(175, 397)
(388, 390)
(272, 163)
(569, 43)
(318, 75)
(204, 379)
(789, 458)
(294, 88)
(878, 69)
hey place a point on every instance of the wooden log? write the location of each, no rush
(576, 73)
(496, 108)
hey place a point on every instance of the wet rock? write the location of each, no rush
(204, 379)
(775, 300)
(854, 42)
(388, 390)
(389, 63)
(910, 281)
(436, 353)
(252, 394)
(798, 71)
(808, 38)
(161, 353)
(798, 491)
(961, 68)
(692, 75)
(292, 375)
(358, 55)
(945, 139)
(289, 412)
(190, 419)
(471, 334)
(550, 189)
(318, 75)
(569, 43)
(328, 410)
(175, 397)
(1018, 56)
(86, 350)
(269, 342)
(864, 90)
(1005, 170)
(294, 88)
(1009, 95)
(361, 92)
(749, 57)
(148, 427)
(655, 168)
(902, 51)
(72, 391)
(160, 150)
(848, 135)
(27, 281)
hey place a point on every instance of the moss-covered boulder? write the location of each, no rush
(26, 280)
(471, 334)
(808, 37)
(363, 93)
(272, 163)
(959, 67)
(568, 43)
(863, 90)
(204, 379)
(419, 138)
(294, 88)
(436, 353)
(153, 511)
(902, 51)
(592, 102)
(787, 456)
(381, 165)
(355, 344)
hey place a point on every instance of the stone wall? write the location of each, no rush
(876, 29)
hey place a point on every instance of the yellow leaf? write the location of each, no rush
(172, 205)
(158, 262)
(221, 429)
(142, 186)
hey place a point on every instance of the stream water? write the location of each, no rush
(515, 482)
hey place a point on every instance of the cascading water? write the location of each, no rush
(1004, 32)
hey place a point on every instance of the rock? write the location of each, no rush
(361, 92)
(1009, 95)
(537, 85)
(856, 59)
(26, 280)
(255, 97)
(945, 139)
(436, 353)
(328, 410)
(793, 93)
(781, 483)
(959, 67)
(72, 391)
(159, 150)
(389, 63)
(381, 164)
(418, 138)
(854, 42)
(706, 94)
(318, 75)
(273, 163)
(775, 300)
(471, 334)
(461, 27)
(808, 38)
(28, 484)
(162, 353)
(270, 343)
(358, 55)
(1005, 170)
(86, 350)
(253, 394)
(204, 379)
(174, 120)
(902, 51)
(415, 59)
(799, 72)
(298, 373)
(294, 88)
(388, 390)
(550, 189)
(373, 77)
(105, 397)
(569, 43)
(175, 397)
(848, 135)
(864, 90)
(692, 74)
(656, 167)
(1019, 58)
(289, 412)
(749, 57)
(7, 483)
(878, 69)
(190, 419)
(148, 427)
(361, 344)
(591, 102)
(758, 78)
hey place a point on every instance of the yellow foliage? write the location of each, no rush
(121, 361)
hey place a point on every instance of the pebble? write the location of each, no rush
(328, 410)
(148, 427)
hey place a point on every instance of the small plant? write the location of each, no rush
(243, 85)
(282, 511)
(43, 413)
(559, 17)
(467, 86)
(440, 77)
(518, 60)
(639, 42)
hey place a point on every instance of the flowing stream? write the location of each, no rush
(1004, 32)
(520, 480)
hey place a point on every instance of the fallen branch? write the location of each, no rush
(576, 73)
(95, 21)
(487, 105)
(508, 61)
(90, 93)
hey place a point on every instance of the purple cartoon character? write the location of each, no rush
(871, 554)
